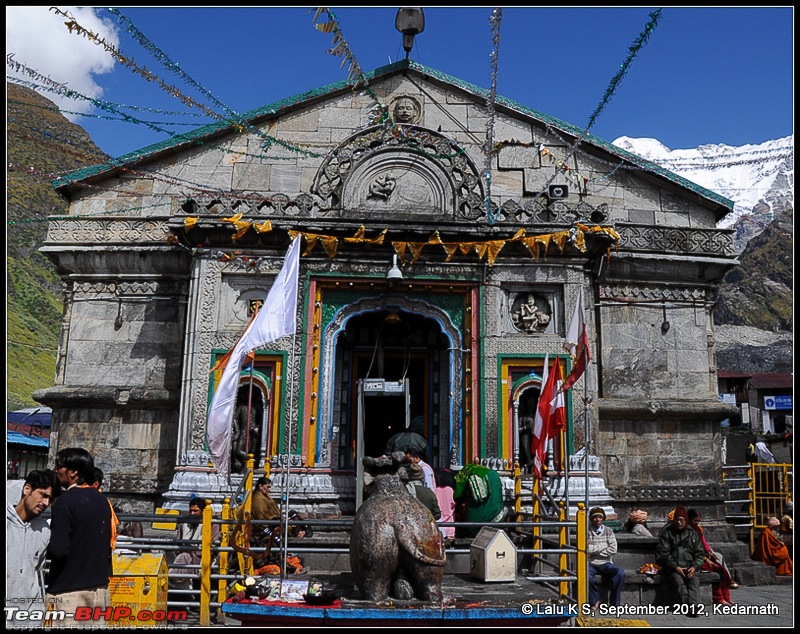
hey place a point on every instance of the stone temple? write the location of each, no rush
(447, 240)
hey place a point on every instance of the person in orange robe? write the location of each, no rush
(772, 550)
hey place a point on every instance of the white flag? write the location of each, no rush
(277, 318)
(575, 327)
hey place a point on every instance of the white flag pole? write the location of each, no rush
(287, 471)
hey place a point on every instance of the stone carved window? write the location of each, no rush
(531, 313)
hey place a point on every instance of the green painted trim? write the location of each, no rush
(501, 358)
(301, 389)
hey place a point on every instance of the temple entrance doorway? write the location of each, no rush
(394, 345)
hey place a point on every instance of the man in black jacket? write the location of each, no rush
(80, 539)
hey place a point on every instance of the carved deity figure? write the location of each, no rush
(241, 444)
(528, 317)
(405, 110)
(382, 187)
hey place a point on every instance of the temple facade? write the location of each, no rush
(446, 244)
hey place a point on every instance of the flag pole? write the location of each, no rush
(287, 471)
(249, 409)
(585, 445)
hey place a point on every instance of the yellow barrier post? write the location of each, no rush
(751, 473)
(563, 544)
(582, 565)
(518, 491)
(225, 541)
(205, 566)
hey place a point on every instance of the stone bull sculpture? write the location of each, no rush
(396, 548)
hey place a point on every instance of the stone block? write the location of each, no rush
(250, 176)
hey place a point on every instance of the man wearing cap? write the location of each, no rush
(601, 547)
(680, 553)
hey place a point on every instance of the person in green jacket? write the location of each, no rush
(680, 554)
(481, 491)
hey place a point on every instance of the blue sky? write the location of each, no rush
(705, 75)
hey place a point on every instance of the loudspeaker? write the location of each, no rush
(557, 192)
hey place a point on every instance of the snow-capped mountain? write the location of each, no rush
(759, 179)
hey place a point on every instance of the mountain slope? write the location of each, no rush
(41, 144)
(759, 179)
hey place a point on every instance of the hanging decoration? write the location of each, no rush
(379, 112)
(633, 51)
(359, 237)
(562, 165)
(488, 147)
(489, 249)
(234, 119)
(329, 243)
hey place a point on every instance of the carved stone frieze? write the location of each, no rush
(87, 230)
(675, 239)
(256, 205)
(132, 289)
(658, 492)
(137, 484)
(664, 293)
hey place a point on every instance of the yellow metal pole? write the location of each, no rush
(563, 543)
(225, 540)
(582, 565)
(518, 491)
(205, 566)
(752, 506)
(536, 530)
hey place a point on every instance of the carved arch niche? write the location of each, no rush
(404, 173)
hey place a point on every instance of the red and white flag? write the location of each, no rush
(277, 318)
(550, 416)
(577, 344)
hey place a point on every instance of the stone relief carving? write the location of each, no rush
(530, 313)
(676, 239)
(406, 109)
(382, 187)
(634, 291)
(108, 231)
(435, 171)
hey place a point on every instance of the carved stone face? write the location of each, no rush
(405, 110)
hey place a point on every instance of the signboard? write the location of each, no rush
(728, 398)
(373, 385)
(777, 402)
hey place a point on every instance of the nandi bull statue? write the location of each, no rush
(396, 548)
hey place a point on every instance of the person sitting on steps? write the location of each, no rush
(601, 547)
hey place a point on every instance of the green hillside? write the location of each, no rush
(41, 144)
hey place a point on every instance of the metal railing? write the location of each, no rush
(756, 492)
(560, 562)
